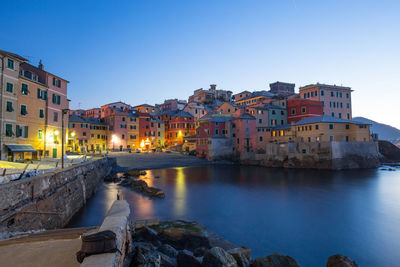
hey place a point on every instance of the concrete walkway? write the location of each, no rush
(51, 248)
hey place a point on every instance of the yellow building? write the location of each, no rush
(133, 132)
(323, 129)
(86, 134)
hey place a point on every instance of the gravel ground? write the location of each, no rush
(157, 160)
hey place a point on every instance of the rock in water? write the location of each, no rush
(275, 260)
(184, 239)
(340, 261)
(241, 255)
(186, 259)
(168, 250)
(148, 235)
(218, 257)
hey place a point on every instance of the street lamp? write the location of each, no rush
(63, 112)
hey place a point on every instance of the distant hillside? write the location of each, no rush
(385, 132)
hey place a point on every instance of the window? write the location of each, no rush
(10, 87)
(348, 116)
(331, 138)
(123, 118)
(41, 94)
(316, 127)
(40, 134)
(55, 116)
(348, 105)
(9, 131)
(293, 111)
(9, 106)
(23, 110)
(347, 95)
(332, 94)
(84, 133)
(347, 126)
(56, 82)
(261, 139)
(24, 89)
(330, 126)
(340, 115)
(303, 110)
(333, 114)
(322, 93)
(273, 112)
(10, 64)
(133, 136)
(22, 131)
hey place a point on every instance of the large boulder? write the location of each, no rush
(185, 259)
(241, 255)
(275, 260)
(218, 257)
(148, 235)
(340, 261)
(168, 250)
(181, 238)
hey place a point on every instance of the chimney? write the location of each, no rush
(213, 86)
(40, 65)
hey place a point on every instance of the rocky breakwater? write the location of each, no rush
(183, 244)
(132, 179)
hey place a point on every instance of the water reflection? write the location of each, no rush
(308, 214)
(180, 192)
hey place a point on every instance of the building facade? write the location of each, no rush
(336, 100)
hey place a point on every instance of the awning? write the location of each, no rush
(21, 148)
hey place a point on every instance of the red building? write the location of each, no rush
(210, 127)
(178, 124)
(298, 109)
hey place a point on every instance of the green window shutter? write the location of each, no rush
(39, 93)
(45, 95)
(26, 131)
(58, 100)
(54, 99)
(10, 64)
(41, 113)
(9, 87)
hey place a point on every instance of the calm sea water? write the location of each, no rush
(307, 214)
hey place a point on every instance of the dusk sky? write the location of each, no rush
(147, 51)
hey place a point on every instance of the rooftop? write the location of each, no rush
(333, 87)
(325, 119)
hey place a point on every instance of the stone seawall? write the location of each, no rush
(49, 201)
(324, 155)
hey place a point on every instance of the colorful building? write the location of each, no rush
(298, 109)
(178, 124)
(86, 134)
(336, 100)
(255, 98)
(31, 119)
(322, 129)
(9, 73)
(281, 88)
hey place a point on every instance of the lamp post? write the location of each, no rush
(63, 112)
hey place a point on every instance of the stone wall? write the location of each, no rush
(322, 155)
(116, 220)
(220, 149)
(49, 201)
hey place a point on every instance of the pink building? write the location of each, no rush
(93, 113)
(57, 103)
(336, 100)
(109, 109)
(244, 133)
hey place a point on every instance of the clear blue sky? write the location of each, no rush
(147, 51)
